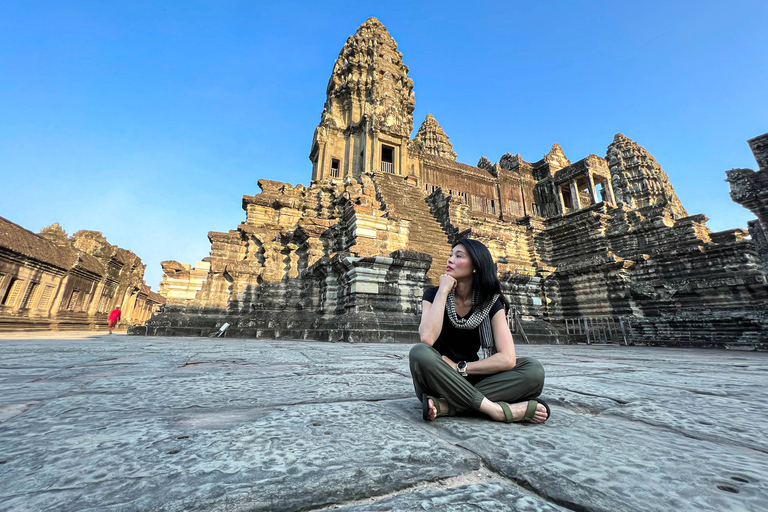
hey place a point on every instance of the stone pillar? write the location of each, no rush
(575, 195)
(320, 160)
(561, 205)
(58, 296)
(609, 188)
(93, 309)
(349, 156)
(591, 187)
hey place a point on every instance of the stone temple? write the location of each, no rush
(598, 249)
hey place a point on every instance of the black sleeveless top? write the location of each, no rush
(458, 344)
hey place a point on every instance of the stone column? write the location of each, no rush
(58, 296)
(575, 195)
(609, 188)
(591, 187)
(349, 147)
(561, 205)
(321, 161)
(93, 309)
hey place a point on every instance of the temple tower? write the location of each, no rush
(368, 115)
(639, 181)
(432, 140)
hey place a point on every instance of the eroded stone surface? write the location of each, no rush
(491, 497)
(135, 423)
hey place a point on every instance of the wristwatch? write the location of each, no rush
(462, 368)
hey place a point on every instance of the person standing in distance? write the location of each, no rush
(114, 316)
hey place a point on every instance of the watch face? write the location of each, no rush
(462, 365)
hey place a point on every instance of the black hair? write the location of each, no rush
(485, 278)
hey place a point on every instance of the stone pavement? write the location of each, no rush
(128, 423)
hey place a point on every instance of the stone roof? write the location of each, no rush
(22, 241)
(445, 163)
(87, 262)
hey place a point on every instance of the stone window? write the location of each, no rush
(335, 168)
(13, 292)
(599, 192)
(45, 299)
(29, 295)
(387, 159)
(565, 190)
(583, 190)
(73, 300)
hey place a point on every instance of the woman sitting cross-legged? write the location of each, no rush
(466, 361)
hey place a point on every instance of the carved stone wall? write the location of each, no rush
(52, 281)
(639, 181)
(432, 140)
(750, 189)
(181, 281)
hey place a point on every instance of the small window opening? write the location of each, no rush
(73, 300)
(601, 192)
(583, 190)
(29, 295)
(493, 207)
(565, 189)
(387, 159)
(335, 168)
(13, 292)
(45, 300)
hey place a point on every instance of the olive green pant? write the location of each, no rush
(435, 377)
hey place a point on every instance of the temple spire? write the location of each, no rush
(369, 97)
(432, 140)
(638, 180)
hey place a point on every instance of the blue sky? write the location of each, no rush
(149, 121)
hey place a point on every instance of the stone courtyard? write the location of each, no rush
(125, 423)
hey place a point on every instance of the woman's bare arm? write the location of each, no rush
(432, 313)
(504, 358)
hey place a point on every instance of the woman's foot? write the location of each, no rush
(435, 408)
(516, 411)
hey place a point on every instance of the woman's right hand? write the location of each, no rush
(447, 284)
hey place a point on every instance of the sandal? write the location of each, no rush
(529, 411)
(425, 398)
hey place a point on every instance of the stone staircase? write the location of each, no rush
(407, 201)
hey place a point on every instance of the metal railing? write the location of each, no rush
(388, 167)
(600, 329)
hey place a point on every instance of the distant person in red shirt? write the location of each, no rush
(114, 316)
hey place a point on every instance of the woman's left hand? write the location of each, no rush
(448, 360)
